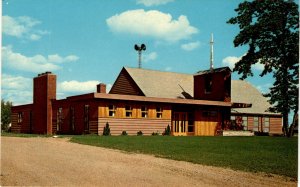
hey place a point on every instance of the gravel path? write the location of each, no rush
(56, 161)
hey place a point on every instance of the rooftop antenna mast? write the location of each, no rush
(140, 49)
(212, 52)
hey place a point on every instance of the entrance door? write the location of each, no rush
(179, 123)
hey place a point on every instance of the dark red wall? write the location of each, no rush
(221, 86)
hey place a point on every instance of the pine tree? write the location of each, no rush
(106, 130)
(271, 30)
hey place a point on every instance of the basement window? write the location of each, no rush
(128, 111)
(144, 111)
(111, 110)
(159, 112)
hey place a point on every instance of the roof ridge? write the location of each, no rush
(143, 69)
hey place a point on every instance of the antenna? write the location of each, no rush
(212, 52)
(139, 49)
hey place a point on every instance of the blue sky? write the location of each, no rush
(85, 42)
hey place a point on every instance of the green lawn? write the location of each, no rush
(277, 155)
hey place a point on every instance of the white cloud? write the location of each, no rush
(190, 46)
(37, 63)
(230, 61)
(153, 2)
(152, 23)
(22, 27)
(78, 87)
(16, 89)
(150, 57)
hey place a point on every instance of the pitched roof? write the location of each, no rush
(244, 92)
(178, 85)
(162, 84)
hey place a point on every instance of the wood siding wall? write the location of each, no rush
(132, 126)
(275, 123)
(26, 125)
(125, 85)
(206, 126)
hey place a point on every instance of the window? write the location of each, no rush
(86, 118)
(190, 122)
(245, 122)
(159, 112)
(111, 110)
(208, 84)
(267, 121)
(255, 124)
(144, 111)
(232, 117)
(128, 111)
(72, 118)
(20, 117)
(266, 124)
(59, 119)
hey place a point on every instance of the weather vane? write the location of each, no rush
(140, 49)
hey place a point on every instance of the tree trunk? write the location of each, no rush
(293, 125)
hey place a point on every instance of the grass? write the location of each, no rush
(273, 155)
(10, 134)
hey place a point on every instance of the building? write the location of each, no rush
(202, 104)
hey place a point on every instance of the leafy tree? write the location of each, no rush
(271, 30)
(5, 114)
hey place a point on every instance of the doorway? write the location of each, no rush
(180, 123)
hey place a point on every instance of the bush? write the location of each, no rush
(155, 133)
(167, 131)
(124, 133)
(140, 133)
(106, 130)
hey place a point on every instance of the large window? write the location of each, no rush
(159, 112)
(266, 124)
(144, 111)
(72, 118)
(128, 111)
(20, 117)
(245, 122)
(59, 119)
(255, 123)
(111, 110)
(190, 122)
(86, 118)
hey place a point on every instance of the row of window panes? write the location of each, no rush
(128, 111)
(255, 123)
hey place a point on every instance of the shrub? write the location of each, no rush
(106, 130)
(155, 133)
(124, 133)
(167, 131)
(140, 133)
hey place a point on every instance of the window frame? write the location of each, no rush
(112, 110)
(20, 117)
(128, 111)
(144, 111)
(159, 112)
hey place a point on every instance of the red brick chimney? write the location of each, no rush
(44, 90)
(101, 88)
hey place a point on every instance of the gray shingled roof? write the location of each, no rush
(171, 85)
(162, 84)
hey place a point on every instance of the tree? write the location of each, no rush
(271, 30)
(106, 130)
(5, 114)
